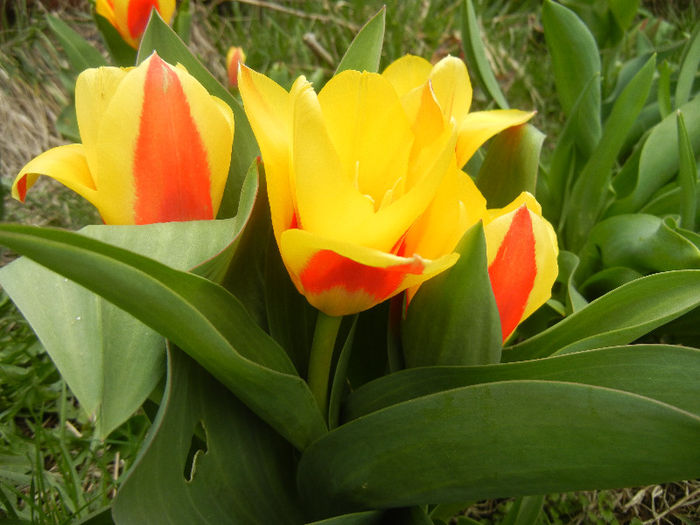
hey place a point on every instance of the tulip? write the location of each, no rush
(130, 17)
(234, 57)
(522, 259)
(352, 177)
(453, 91)
(155, 146)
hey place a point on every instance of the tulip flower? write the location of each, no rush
(350, 177)
(522, 257)
(130, 17)
(155, 146)
(234, 57)
(453, 91)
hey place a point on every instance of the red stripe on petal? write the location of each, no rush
(137, 16)
(327, 270)
(513, 271)
(22, 188)
(171, 170)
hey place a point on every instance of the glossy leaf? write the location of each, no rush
(511, 165)
(591, 190)
(575, 60)
(366, 48)
(618, 317)
(499, 439)
(670, 372)
(472, 43)
(687, 173)
(199, 316)
(239, 464)
(657, 162)
(79, 52)
(453, 319)
(160, 37)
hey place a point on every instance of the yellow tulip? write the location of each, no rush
(453, 91)
(155, 146)
(130, 17)
(522, 256)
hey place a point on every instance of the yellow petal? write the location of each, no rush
(341, 279)
(106, 9)
(526, 198)
(452, 87)
(67, 164)
(407, 73)
(268, 109)
(476, 128)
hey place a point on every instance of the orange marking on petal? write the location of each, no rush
(22, 188)
(171, 170)
(137, 17)
(294, 224)
(513, 271)
(327, 270)
(400, 246)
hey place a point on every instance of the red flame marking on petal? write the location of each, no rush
(513, 271)
(137, 16)
(327, 270)
(22, 188)
(171, 170)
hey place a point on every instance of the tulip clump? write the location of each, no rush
(156, 146)
(130, 17)
(366, 188)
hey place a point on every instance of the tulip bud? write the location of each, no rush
(234, 57)
(130, 17)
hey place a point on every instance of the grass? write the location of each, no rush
(52, 468)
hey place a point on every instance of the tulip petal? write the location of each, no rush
(268, 109)
(522, 255)
(340, 278)
(452, 87)
(138, 182)
(67, 164)
(105, 8)
(407, 73)
(476, 128)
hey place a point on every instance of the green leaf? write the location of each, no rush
(592, 188)
(511, 165)
(366, 48)
(472, 43)
(575, 60)
(524, 511)
(624, 11)
(80, 53)
(664, 90)
(687, 173)
(689, 68)
(199, 316)
(658, 161)
(340, 377)
(122, 53)
(453, 319)
(618, 317)
(161, 38)
(110, 360)
(183, 20)
(370, 517)
(669, 371)
(208, 460)
(500, 439)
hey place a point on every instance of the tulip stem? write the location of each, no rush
(321, 358)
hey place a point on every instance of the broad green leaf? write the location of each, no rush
(525, 511)
(575, 60)
(511, 165)
(639, 241)
(687, 173)
(110, 360)
(366, 48)
(670, 376)
(340, 377)
(689, 68)
(607, 280)
(664, 89)
(657, 162)
(472, 43)
(624, 11)
(591, 190)
(122, 54)
(161, 38)
(100, 517)
(208, 460)
(453, 319)
(183, 20)
(370, 517)
(509, 438)
(568, 265)
(80, 53)
(201, 317)
(618, 317)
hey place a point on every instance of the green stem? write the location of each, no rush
(321, 357)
